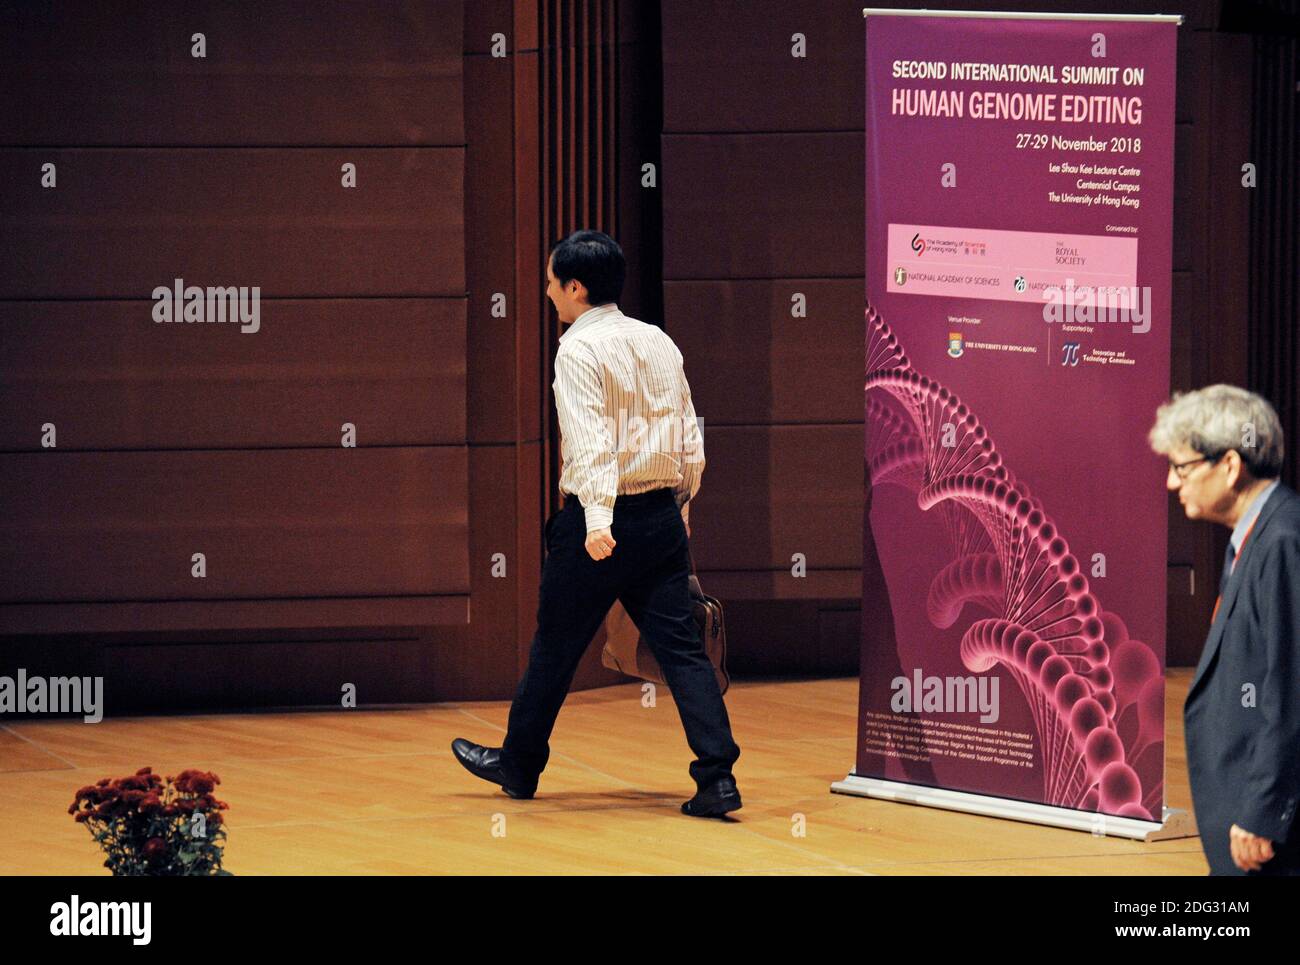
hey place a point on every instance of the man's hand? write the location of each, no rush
(600, 543)
(1249, 851)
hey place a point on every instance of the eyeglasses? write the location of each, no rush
(1183, 469)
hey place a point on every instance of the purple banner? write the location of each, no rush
(1019, 217)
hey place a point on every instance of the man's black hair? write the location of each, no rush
(593, 258)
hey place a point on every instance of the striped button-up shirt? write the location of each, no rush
(627, 424)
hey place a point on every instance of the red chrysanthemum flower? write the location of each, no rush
(155, 849)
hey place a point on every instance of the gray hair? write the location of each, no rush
(1219, 418)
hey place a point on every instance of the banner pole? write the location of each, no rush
(1010, 15)
(1174, 823)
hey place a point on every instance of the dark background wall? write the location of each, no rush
(411, 306)
(324, 564)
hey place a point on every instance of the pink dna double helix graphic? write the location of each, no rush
(1079, 670)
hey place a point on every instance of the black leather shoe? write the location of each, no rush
(714, 801)
(485, 762)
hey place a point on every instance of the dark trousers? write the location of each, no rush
(647, 571)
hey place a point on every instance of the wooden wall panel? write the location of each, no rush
(763, 206)
(531, 400)
(740, 53)
(108, 377)
(277, 73)
(782, 584)
(501, 565)
(748, 360)
(490, 230)
(772, 491)
(184, 678)
(122, 222)
(499, 568)
(818, 639)
(226, 170)
(42, 632)
(376, 300)
(529, 551)
(273, 523)
(486, 18)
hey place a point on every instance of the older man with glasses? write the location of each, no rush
(1242, 714)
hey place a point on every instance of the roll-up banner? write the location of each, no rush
(1019, 208)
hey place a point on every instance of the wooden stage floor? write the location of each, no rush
(377, 792)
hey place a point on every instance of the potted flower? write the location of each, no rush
(148, 826)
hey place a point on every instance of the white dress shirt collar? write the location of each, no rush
(590, 316)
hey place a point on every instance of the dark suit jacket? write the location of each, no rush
(1242, 716)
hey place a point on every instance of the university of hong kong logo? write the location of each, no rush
(954, 344)
(918, 244)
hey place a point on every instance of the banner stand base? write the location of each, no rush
(1177, 823)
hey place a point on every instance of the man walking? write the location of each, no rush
(1242, 714)
(623, 531)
